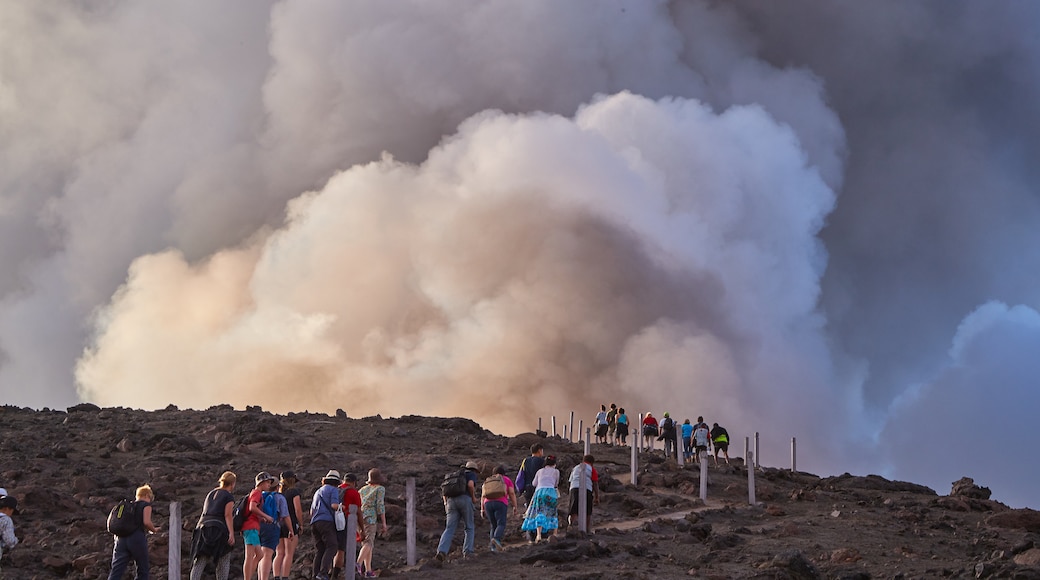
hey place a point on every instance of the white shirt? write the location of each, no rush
(576, 476)
(601, 418)
(547, 477)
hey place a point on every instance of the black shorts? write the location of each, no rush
(601, 430)
(341, 540)
(622, 430)
(574, 502)
(721, 446)
(702, 448)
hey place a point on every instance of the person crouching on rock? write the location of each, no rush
(214, 536)
(135, 546)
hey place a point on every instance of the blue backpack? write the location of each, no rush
(270, 505)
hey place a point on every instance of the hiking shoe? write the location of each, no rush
(441, 556)
(498, 545)
(468, 555)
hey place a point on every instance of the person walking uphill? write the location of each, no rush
(668, 434)
(8, 507)
(259, 531)
(591, 491)
(324, 505)
(135, 546)
(459, 493)
(495, 496)
(214, 536)
(350, 497)
(373, 508)
(720, 440)
(542, 514)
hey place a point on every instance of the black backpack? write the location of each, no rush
(238, 515)
(455, 484)
(668, 426)
(123, 520)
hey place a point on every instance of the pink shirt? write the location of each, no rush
(509, 485)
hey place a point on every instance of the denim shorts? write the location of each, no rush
(269, 536)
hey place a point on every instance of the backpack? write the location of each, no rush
(238, 515)
(122, 520)
(494, 487)
(454, 484)
(270, 504)
(668, 426)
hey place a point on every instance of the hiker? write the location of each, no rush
(701, 438)
(275, 532)
(8, 507)
(287, 543)
(459, 507)
(649, 431)
(668, 433)
(213, 538)
(687, 440)
(622, 426)
(259, 531)
(525, 476)
(373, 508)
(324, 506)
(496, 495)
(541, 513)
(135, 546)
(720, 440)
(350, 497)
(612, 425)
(591, 491)
(601, 424)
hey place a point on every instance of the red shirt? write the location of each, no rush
(650, 421)
(252, 521)
(350, 496)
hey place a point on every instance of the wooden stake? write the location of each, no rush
(704, 476)
(794, 462)
(749, 461)
(350, 557)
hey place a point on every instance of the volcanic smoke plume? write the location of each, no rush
(806, 220)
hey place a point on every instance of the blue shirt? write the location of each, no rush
(687, 430)
(321, 504)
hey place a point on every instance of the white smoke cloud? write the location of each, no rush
(531, 264)
(810, 196)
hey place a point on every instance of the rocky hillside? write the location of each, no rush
(67, 468)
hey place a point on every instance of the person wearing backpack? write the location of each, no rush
(254, 535)
(495, 497)
(214, 536)
(274, 505)
(349, 496)
(324, 506)
(8, 507)
(134, 546)
(459, 500)
(668, 434)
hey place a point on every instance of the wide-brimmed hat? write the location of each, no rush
(264, 476)
(332, 474)
(472, 465)
(375, 476)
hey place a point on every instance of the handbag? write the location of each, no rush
(341, 520)
(337, 516)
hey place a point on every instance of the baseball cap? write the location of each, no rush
(9, 501)
(288, 474)
(350, 477)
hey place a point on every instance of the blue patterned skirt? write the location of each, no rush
(542, 511)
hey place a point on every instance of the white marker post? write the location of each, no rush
(565, 432)
(409, 519)
(539, 423)
(757, 455)
(571, 429)
(581, 429)
(680, 446)
(637, 437)
(704, 476)
(745, 449)
(794, 462)
(175, 541)
(583, 501)
(351, 553)
(588, 441)
(635, 463)
(554, 425)
(749, 460)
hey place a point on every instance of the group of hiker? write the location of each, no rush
(537, 481)
(612, 427)
(269, 519)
